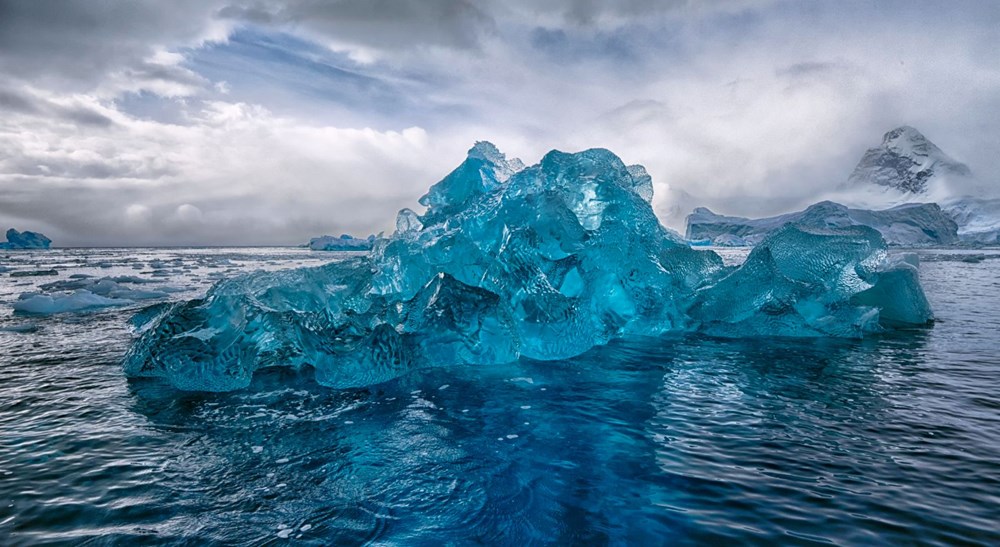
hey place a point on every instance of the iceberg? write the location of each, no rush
(509, 261)
(25, 240)
(909, 224)
(978, 219)
(345, 242)
(802, 281)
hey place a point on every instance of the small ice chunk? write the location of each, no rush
(44, 304)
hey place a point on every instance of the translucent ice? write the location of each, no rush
(544, 261)
(812, 282)
(25, 240)
(82, 299)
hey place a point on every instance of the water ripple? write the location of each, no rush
(893, 440)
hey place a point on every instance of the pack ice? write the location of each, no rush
(507, 261)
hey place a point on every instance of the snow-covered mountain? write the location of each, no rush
(909, 224)
(906, 161)
(892, 190)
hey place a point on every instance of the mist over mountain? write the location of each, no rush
(906, 161)
(907, 187)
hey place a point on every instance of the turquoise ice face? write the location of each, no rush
(545, 262)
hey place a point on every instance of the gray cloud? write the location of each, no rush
(378, 24)
(12, 101)
(115, 126)
(807, 68)
(15, 101)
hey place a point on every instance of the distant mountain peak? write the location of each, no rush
(907, 161)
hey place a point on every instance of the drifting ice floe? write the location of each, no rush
(544, 262)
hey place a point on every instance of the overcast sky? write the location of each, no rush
(267, 122)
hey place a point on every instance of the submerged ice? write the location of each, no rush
(544, 262)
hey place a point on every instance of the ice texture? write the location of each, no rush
(345, 242)
(83, 293)
(46, 304)
(544, 262)
(25, 240)
(814, 282)
(978, 219)
(909, 224)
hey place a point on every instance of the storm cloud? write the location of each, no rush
(268, 122)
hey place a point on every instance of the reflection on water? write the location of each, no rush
(682, 440)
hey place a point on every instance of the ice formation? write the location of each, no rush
(81, 293)
(978, 219)
(908, 224)
(25, 240)
(345, 242)
(46, 304)
(544, 262)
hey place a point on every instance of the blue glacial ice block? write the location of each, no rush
(544, 261)
(25, 240)
(814, 282)
(570, 245)
(256, 320)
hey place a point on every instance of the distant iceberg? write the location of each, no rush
(345, 242)
(911, 224)
(25, 240)
(978, 219)
(545, 262)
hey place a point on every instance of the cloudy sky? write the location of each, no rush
(267, 122)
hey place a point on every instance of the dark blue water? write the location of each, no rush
(890, 440)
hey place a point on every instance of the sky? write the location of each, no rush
(267, 122)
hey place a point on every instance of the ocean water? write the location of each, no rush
(680, 440)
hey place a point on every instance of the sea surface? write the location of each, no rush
(891, 440)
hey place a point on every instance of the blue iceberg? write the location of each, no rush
(25, 240)
(509, 261)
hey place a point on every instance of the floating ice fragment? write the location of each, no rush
(545, 262)
(83, 299)
(812, 282)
